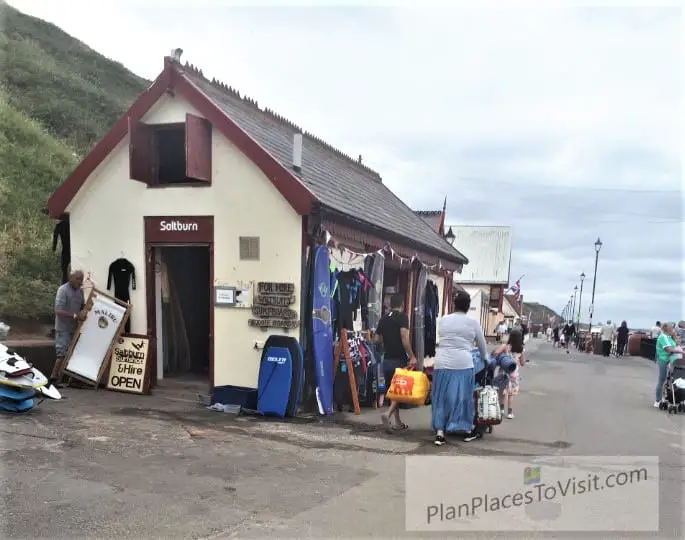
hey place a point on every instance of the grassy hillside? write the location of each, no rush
(57, 98)
(539, 313)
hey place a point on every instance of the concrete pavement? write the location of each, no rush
(106, 465)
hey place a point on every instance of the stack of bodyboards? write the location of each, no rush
(21, 383)
(281, 373)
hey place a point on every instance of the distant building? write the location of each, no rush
(486, 277)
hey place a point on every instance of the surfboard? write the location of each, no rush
(419, 314)
(34, 379)
(298, 376)
(275, 381)
(375, 305)
(322, 334)
(13, 405)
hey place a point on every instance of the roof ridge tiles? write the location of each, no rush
(281, 119)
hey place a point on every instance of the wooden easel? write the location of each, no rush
(342, 350)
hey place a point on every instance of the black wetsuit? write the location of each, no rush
(123, 274)
(61, 233)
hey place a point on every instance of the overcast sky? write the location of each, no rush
(563, 124)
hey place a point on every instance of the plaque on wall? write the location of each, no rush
(271, 306)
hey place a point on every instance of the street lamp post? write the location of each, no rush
(598, 246)
(573, 309)
(580, 298)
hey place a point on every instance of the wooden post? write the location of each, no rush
(342, 349)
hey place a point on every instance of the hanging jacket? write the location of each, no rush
(431, 314)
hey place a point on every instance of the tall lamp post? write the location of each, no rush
(573, 309)
(580, 298)
(598, 246)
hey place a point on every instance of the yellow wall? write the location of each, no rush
(107, 223)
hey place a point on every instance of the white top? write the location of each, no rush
(655, 332)
(457, 334)
(607, 332)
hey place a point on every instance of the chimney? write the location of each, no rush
(297, 152)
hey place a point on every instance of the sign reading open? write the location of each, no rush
(128, 369)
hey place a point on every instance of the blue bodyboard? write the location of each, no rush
(15, 405)
(16, 393)
(275, 381)
(322, 332)
(296, 356)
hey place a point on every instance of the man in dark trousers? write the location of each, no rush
(569, 332)
(393, 333)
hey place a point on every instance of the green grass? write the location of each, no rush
(57, 98)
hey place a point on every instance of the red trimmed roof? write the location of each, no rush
(328, 178)
(291, 187)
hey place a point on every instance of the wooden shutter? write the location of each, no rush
(198, 148)
(141, 152)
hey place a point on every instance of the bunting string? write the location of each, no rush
(331, 242)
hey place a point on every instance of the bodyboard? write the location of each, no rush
(274, 382)
(12, 405)
(293, 346)
(322, 334)
(418, 321)
(16, 393)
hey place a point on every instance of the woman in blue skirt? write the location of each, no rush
(453, 376)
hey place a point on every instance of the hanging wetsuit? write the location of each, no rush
(123, 274)
(61, 232)
(348, 299)
(430, 319)
(334, 301)
(365, 286)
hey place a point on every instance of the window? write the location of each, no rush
(249, 248)
(496, 297)
(171, 154)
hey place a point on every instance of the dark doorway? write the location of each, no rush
(186, 310)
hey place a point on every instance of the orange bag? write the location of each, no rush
(409, 386)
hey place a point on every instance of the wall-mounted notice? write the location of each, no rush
(128, 370)
(224, 296)
(271, 305)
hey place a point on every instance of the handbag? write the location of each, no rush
(409, 387)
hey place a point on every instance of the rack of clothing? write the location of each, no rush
(362, 354)
(349, 295)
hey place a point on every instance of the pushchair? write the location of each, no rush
(673, 391)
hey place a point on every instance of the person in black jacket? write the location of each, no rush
(622, 338)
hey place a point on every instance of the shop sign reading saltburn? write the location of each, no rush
(177, 226)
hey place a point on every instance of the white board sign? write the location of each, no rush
(96, 334)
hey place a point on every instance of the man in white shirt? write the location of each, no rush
(607, 336)
(500, 331)
(656, 330)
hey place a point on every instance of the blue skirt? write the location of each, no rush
(452, 399)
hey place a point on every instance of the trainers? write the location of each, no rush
(439, 440)
(473, 436)
(656, 404)
(510, 416)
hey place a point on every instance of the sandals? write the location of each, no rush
(389, 427)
